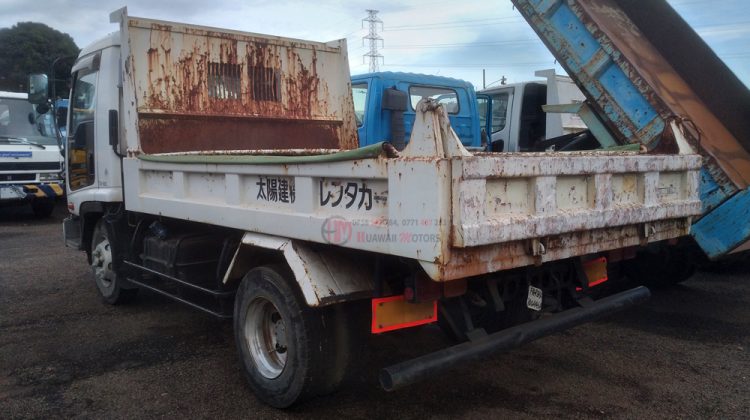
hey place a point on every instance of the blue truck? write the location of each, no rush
(384, 106)
(507, 118)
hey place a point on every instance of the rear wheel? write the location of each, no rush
(108, 281)
(661, 266)
(289, 351)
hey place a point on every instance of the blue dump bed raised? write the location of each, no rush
(644, 71)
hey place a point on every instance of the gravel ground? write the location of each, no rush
(63, 353)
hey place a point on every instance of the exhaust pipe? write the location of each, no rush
(414, 370)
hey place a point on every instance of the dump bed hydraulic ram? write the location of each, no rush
(417, 369)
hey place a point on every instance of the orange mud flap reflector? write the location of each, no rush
(596, 271)
(394, 313)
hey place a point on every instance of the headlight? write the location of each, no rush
(49, 177)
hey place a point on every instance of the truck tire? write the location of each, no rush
(289, 351)
(108, 281)
(660, 266)
(42, 207)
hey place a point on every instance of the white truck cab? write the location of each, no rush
(518, 122)
(30, 159)
(94, 172)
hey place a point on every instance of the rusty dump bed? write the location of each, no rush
(456, 214)
(196, 88)
(645, 72)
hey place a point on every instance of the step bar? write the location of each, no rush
(420, 368)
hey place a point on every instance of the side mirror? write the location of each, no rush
(38, 85)
(395, 100)
(61, 115)
(42, 108)
(84, 135)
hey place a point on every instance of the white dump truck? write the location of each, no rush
(219, 168)
(30, 159)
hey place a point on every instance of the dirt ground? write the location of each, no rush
(63, 353)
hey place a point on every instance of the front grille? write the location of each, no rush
(29, 166)
(17, 177)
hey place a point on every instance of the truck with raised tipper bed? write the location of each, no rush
(650, 79)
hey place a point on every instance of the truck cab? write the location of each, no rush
(93, 174)
(384, 105)
(515, 118)
(30, 159)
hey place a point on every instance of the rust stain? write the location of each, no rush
(667, 91)
(467, 262)
(229, 92)
(166, 135)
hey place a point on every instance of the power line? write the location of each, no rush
(465, 44)
(373, 37)
(447, 26)
(466, 65)
(511, 18)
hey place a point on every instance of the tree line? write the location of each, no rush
(31, 47)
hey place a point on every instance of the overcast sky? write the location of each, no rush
(446, 37)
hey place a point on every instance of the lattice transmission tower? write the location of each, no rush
(373, 37)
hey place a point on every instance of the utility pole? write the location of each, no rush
(373, 38)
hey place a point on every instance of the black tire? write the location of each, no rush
(660, 266)
(289, 351)
(108, 281)
(42, 207)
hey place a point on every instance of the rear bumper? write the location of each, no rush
(420, 368)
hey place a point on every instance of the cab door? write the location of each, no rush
(501, 121)
(80, 147)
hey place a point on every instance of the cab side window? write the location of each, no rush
(81, 141)
(359, 95)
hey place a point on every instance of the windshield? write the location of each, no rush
(16, 116)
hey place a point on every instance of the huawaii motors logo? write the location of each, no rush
(336, 230)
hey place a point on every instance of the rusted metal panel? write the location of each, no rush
(512, 197)
(696, 63)
(632, 86)
(160, 134)
(199, 88)
(474, 261)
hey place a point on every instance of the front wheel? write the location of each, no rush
(42, 207)
(108, 281)
(288, 350)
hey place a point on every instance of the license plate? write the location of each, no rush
(11, 193)
(534, 301)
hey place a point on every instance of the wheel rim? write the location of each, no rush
(101, 262)
(265, 333)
